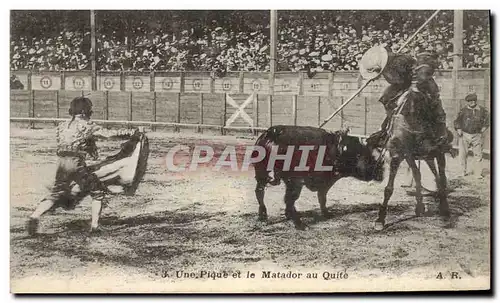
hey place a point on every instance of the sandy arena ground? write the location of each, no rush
(208, 221)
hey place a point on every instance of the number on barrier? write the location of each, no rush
(256, 86)
(108, 83)
(286, 86)
(167, 84)
(315, 86)
(137, 83)
(78, 83)
(45, 82)
(197, 85)
(226, 85)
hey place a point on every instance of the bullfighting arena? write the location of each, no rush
(207, 221)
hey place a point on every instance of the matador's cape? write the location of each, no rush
(123, 171)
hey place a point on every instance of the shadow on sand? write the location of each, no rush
(133, 241)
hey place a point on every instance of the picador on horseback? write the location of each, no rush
(404, 72)
(415, 127)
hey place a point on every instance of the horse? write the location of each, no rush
(409, 139)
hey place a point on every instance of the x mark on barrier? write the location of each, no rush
(240, 110)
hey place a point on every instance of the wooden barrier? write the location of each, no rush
(125, 123)
(184, 99)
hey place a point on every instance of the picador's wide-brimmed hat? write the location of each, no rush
(373, 62)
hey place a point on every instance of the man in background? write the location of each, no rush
(15, 83)
(471, 123)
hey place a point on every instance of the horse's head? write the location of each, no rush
(415, 107)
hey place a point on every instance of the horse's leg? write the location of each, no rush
(394, 165)
(444, 208)
(259, 193)
(420, 208)
(293, 189)
(432, 167)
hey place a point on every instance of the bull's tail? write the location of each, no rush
(267, 139)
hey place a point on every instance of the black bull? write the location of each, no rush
(345, 155)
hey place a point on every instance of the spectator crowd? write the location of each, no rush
(314, 40)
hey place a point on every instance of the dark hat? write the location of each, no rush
(80, 105)
(471, 97)
(427, 54)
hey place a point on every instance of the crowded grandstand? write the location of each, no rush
(234, 40)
